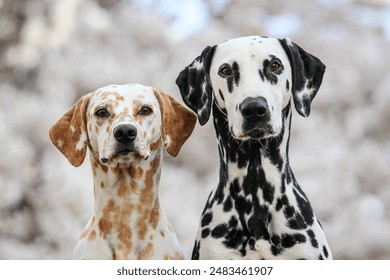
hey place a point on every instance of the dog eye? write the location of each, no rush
(275, 66)
(145, 111)
(225, 70)
(102, 113)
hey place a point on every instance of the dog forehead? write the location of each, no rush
(124, 95)
(255, 47)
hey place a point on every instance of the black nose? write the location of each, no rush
(125, 133)
(254, 108)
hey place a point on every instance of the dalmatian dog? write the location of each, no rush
(258, 210)
(125, 128)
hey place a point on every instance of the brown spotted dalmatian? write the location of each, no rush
(258, 210)
(125, 128)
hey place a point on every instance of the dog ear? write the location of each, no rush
(307, 72)
(69, 133)
(195, 86)
(178, 122)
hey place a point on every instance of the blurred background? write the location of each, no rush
(54, 51)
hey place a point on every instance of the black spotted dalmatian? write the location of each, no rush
(258, 210)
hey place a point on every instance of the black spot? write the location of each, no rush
(289, 211)
(261, 75)
(268, 192)
(243, 154)
(287, 85)
(242, 205)
(257, 223)
(313, 239)
(281, 201)
(233, 222)
(228, 204)
(326, 254)
(288, 176)
(304, 206)
(235, 78)
(234, 188)
(236, 70)
(219, 231)
(320, 257)
(275, 245)
(289, 240)
(221, 95)
(206, 219)
(195, 251)
(205, 233)
(297, 222)
(268, 74)
(233, 238)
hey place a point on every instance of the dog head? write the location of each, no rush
(252, 79)
(121, 124)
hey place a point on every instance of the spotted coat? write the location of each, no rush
(125, 128)
(258, 210)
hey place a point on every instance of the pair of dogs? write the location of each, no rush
(257, 211)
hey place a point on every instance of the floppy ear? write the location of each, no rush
(69, 133)
(177, 122)
(195, 86)
(307, 72)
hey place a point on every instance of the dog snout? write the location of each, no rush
(125, 133)
(254, 108)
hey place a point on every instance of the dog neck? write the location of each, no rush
(261, 164)
(126, 199)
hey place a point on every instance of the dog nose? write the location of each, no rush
(253, 108)
(125, 133)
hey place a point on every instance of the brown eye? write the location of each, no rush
(102, 113)
(275, 66)
(145, 111)
(225, 70)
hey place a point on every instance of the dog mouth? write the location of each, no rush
(125, 154)
(255, 133)
(124, 151)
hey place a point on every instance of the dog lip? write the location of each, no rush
(125, 151)
(256, 133)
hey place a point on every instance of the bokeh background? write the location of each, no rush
(54, 51)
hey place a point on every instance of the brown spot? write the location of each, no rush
(136, 173)
(150, 209)
(116, 95)
(162, 234)
(124, 114)
(175, 256)
(156, 145)
(105, 223)
(104, 168)
(123, 189)
(137, 105)
(124, 237)
(102, 184)
(92, 235)
(88, 229)
(155, 215)
(84, 234)
(146, 252)
(114, 170)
